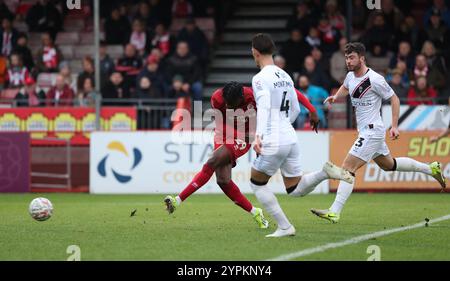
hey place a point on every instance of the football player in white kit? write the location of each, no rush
(276, 142)
(367, 89)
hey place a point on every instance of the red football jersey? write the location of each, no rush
(223, 131)
(218, 102)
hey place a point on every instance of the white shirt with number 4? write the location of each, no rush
(277, 106)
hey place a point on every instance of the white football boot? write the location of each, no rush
(337, 173)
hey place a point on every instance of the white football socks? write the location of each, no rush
(343, 193)
(405, 164)
(266, 197)
(308, 183)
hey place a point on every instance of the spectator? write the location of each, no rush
(129, 65)
(162, 39)
(143, 15)
(378, 35)
(3, 71)
(86, 94)
(60, 94)
(378, 59)
(186, 64)
(180, 91)
(17, 72)
(404, 73)
(396, 83)
(117, 28)
(301, 19)
(438, 67)
(317, 96)
(139, 38)
(25, 52)
(124, 11)
(410, 33)
(8, 37)
(28, 95)
(316, 75)
(359, 15)
(44, 17)
(107, 65)
(392, 15)
(146, 90)
(441, 7)
(334, 16)
(330, 37)
(5, 12)
(157, 12)
(196, 39)
(88, 72)
(64, 70)
(437, 32)
(435, 78)
(322, 62)
(181, 9)
(153, 72)
(115, 89)
(294, 50)
(338, 65)
(404, 54)
(313, 38)
(421, 93)
(179, 88)
(49, 55)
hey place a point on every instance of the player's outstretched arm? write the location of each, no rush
(395, 104)
(342, 92)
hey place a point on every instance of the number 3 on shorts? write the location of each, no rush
(359, 142)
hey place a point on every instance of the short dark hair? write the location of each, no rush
(232, 92)
(263, 43)
(356, 47)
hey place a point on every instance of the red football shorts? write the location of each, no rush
(236, 150)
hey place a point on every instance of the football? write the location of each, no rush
(40, 209)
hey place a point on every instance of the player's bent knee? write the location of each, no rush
(255, 185)
(258, 183)
(222, 183)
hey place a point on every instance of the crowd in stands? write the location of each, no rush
(155, 62)
(412, 53)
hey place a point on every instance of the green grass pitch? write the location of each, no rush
(210, 227)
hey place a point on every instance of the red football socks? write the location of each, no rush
(199, 180)
(233, 192)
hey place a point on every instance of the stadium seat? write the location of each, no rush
(35, 39)
(21, 26)
(88, 38)
(9, 94)
(84, 50)
(74, 24)
(67, 51)
(67, 38)
(115, 51)
(46, 80)
(76, 66)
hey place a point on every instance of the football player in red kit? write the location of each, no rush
(229, 145)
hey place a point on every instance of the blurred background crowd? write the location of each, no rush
(163, 49)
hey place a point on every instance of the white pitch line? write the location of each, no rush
(353, 240)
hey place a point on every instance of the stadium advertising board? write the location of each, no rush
(14, 162)
(159, 162)
(66, 122)
(422, 117)
(416, 145)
